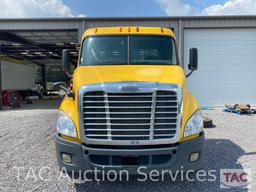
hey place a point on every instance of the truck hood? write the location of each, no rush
(145, 73)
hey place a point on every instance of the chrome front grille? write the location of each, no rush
(146, 115)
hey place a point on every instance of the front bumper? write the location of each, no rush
(171, 157)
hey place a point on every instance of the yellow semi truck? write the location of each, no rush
(129, 105)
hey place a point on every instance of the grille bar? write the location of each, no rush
(139, 135)
(135, 118)
(116, 107)
(107, 116)
(152, 121)
(127, 107)
(98, 135)
(103, 118)
(121, 96)
(126, 129)
(117, 124)
(129, 113)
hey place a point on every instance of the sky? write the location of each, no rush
(124, 8)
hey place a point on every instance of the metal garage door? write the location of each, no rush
(227, 65)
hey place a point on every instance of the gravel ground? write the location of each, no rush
(26, 141)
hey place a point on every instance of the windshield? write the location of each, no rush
(133, 50)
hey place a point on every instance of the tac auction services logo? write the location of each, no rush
(235, 178)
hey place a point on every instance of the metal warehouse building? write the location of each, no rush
(226, 45)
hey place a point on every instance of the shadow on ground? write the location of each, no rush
(219, 154)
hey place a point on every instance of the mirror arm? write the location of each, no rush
(64, 88)
(70, 93)
(68, 74)
(190, 73)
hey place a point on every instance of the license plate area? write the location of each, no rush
(130, 160)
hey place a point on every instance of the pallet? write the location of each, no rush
(239, 112)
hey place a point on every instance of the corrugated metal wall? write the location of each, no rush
(38, 24)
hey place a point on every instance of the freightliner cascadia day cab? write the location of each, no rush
(129, 105)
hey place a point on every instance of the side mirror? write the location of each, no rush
(193, 59)
(66, 60)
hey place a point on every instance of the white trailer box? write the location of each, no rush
(17, 77)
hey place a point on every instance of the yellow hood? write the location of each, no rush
(146, 73)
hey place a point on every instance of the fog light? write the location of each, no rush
(194, 157)
(66, 158)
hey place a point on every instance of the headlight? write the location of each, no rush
(194, 124)
(66, 126)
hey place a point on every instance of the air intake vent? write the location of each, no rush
(130, 116)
